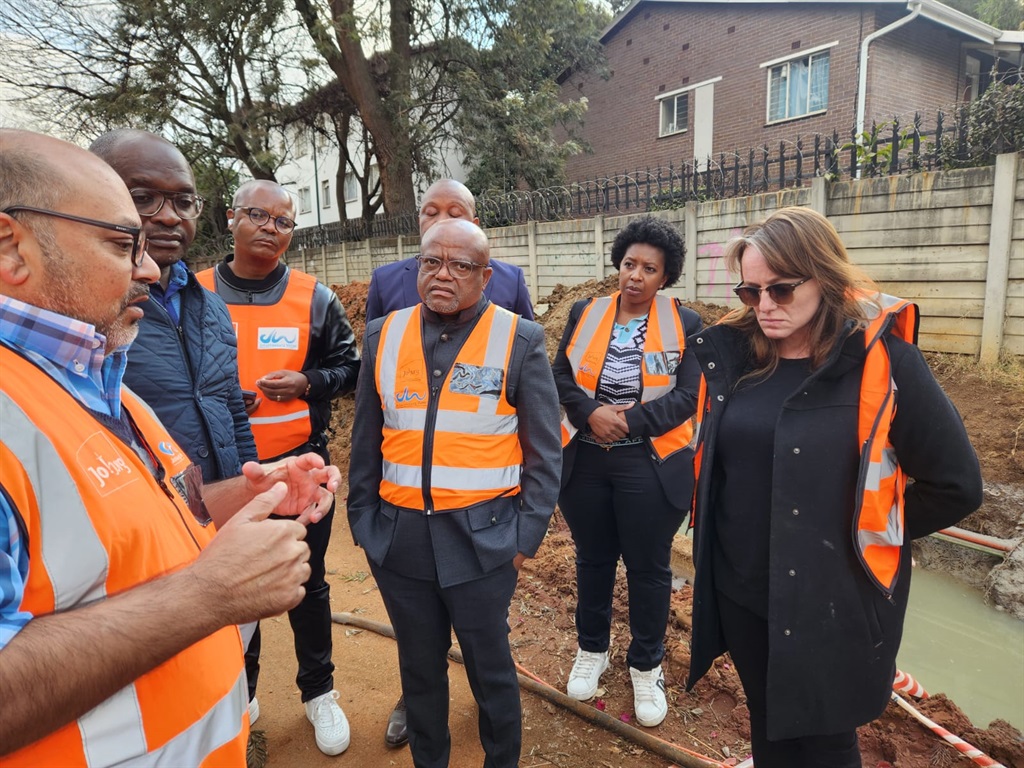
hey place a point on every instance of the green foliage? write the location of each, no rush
(516, 129)
(1002, 14)
(995, 125)
(874, 147)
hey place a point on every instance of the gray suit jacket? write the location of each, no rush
(465, 543)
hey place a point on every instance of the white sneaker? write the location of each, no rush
(586, 674)
(649, 696)
(329, 722)
(254, 711)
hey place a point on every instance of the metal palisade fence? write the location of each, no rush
(889, 148)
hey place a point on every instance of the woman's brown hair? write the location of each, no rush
(799, 243)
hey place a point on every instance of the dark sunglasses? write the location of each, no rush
(779, 293)
(259, 217)
(138, 239)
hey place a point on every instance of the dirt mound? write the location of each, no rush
(353, 298)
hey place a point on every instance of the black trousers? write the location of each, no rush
(423, 614)
(311, 623)
(614, 505)
(746, 635)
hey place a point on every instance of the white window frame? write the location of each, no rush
(784, 62)
(662, 97)
(351, 195)
(305, 200)
(325, 193)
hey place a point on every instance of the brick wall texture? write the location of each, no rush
(662, 47)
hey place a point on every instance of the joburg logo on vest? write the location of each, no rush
(278, 338)
(106, 468)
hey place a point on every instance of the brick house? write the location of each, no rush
(693, 78)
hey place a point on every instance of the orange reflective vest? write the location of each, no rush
(97, 523)
(663, 352)
(465, 449)
(878, 509)
(878, 513)
(273, 338)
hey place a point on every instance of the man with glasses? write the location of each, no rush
(118, 603)
(449, 507)
(297, 349)
(393, 286)
(184, 363)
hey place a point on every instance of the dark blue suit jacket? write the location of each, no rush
(393, 286)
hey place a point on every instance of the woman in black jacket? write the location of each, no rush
(803, 529)
(628, 386)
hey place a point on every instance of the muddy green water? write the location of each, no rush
(954, 643)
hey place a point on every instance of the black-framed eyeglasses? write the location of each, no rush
(138, 252)
(259, 217)
(780, 293)
(457, 269)
(149, 202)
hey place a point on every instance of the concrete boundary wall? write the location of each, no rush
(952, 241)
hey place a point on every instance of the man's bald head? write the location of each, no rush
(27, 172)
(261, 210)
(76, 254)
(446, 199)
(448, 289)
(158, 171)
(262, 189)
(462, 233)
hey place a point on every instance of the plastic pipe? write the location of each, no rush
(862, 79)
(981, 539)
(979, 757)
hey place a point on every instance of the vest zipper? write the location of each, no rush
(428, 443)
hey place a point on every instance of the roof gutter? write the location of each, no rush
(862, 80)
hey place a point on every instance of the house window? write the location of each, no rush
(325, 194)
(304, 200)
(301, 142)
(351, 188)
(798, 86)
(675, 114)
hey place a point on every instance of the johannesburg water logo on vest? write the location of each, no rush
(104, 464)
(278, 338)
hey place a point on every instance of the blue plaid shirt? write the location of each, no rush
(72, 353)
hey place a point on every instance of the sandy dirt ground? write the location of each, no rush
(711, 721)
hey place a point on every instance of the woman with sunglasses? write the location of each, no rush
(628, 384)
(803, 514)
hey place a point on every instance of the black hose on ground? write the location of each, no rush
(671, 752)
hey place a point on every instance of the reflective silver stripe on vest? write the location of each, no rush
(892, 536)
(876, 472)
(414, 419)
(190, 747)
(72, 553)
(669, 340)
(460, 478)
(387, 363)
(498, 344)
(112, 732)
(279, 419)
(483, 421)
(594, 315)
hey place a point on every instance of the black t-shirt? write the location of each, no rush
(743, 465)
